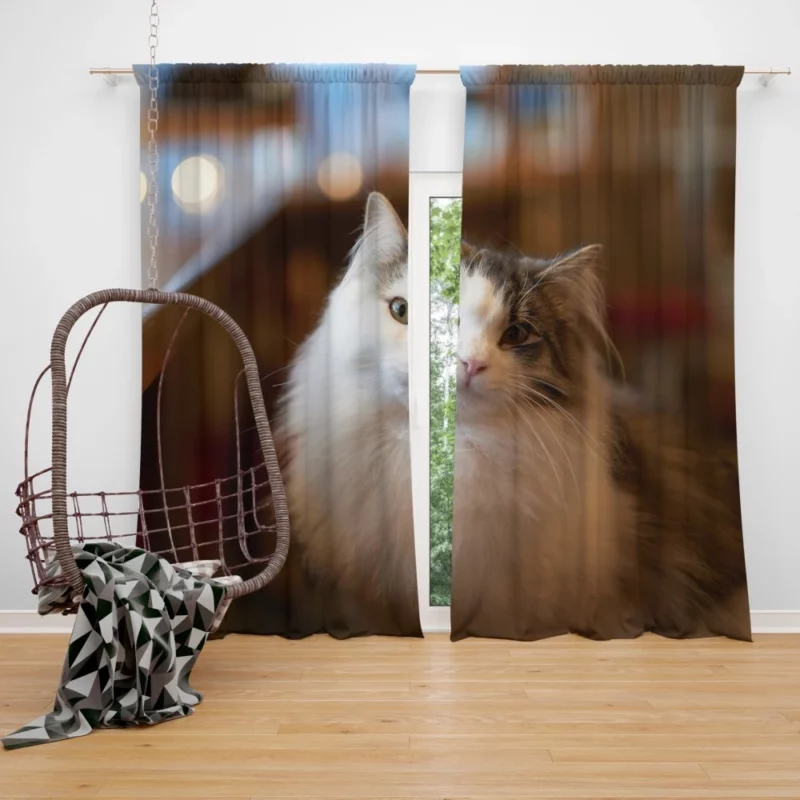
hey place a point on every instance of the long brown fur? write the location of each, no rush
(615, 523)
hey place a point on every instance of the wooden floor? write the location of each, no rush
(392, 718)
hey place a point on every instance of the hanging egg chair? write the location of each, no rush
(238, 523)
(243, 516)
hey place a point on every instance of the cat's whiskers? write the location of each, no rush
(527, 400)
(579, 427)
(275, 372)
(558, 389)
(527, 393)
(516, 407)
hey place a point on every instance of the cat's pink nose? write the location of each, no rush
(473, 366)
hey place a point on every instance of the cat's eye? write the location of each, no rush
(518, 334)
(398, 307)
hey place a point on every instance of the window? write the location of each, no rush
(438, 106)
(434, 254)
(445, 256)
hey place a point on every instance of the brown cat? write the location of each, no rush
(576, 508)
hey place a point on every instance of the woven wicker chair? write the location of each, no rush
(239, 499)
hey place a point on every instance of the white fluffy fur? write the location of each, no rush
(346, 420)
(483, 318)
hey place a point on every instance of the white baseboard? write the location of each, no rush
(760, 622)
(31, 622)
(775, 621)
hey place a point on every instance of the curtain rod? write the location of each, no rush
(129, 71)
(111, 74)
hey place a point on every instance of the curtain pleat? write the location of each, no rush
(206, 74)
(607, 75)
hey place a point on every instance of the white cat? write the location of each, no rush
(346, 423)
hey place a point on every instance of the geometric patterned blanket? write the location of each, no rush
(139, 630)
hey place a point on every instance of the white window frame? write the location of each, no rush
(423, 187)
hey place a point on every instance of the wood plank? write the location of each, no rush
(756, 771)
(171, 756)
(399, 718)
(655, 754)
(57, 784)
(605, 740)
(455, 718)
(393, 783)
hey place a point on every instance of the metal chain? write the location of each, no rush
(152, 127)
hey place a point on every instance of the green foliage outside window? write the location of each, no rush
(445, 255)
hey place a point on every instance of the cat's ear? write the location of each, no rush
(470, 257)
(577, 275)
(468, 252)
(384, 240)
(572, 281)
(575, 264)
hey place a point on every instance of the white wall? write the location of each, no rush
(69, 212)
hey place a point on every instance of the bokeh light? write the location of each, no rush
(340, 176)
(198, 183)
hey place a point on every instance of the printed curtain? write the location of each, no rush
(596, 484)
(283, 192)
